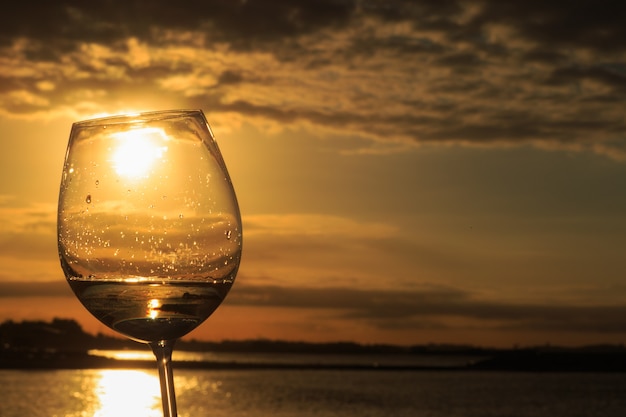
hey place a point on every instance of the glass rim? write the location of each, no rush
(123, 118)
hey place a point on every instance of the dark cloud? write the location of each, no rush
(460, 62)
(242, 23)
(230, 77)
(596, 25)
(432, 307)
(611, 75)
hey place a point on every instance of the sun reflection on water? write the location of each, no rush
(143, 355)
(128, 393)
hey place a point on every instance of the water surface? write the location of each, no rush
(320, 393)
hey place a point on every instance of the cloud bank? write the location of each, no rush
(413, 310)
(396, 74)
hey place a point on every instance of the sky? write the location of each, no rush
(408, 172)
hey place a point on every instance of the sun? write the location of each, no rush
(137, 151)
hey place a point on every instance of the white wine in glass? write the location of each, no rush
(149, 229)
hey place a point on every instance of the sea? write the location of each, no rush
(367, 391)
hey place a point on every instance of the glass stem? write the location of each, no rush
(163, 352)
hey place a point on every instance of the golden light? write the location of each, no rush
(128, 393)
(153, 306)
(137, 151)
(124, 355)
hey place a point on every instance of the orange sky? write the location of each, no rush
(408, 172)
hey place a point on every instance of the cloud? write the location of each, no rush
(428, 307)
(12, 289)
(435, 307)
(321, 250)
(588, 24)
(396, 74)
(315, 225)
(27, 232)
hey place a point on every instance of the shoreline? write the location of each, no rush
(511, 361)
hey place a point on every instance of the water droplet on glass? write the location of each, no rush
(88, 199)
(228, 234)
(180, 216)
(97, 182)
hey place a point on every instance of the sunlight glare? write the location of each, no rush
(128, 393)
(153, 308)
(137, 151)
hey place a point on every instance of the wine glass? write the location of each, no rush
(149, 230)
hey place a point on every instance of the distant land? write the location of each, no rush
(62, 344)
